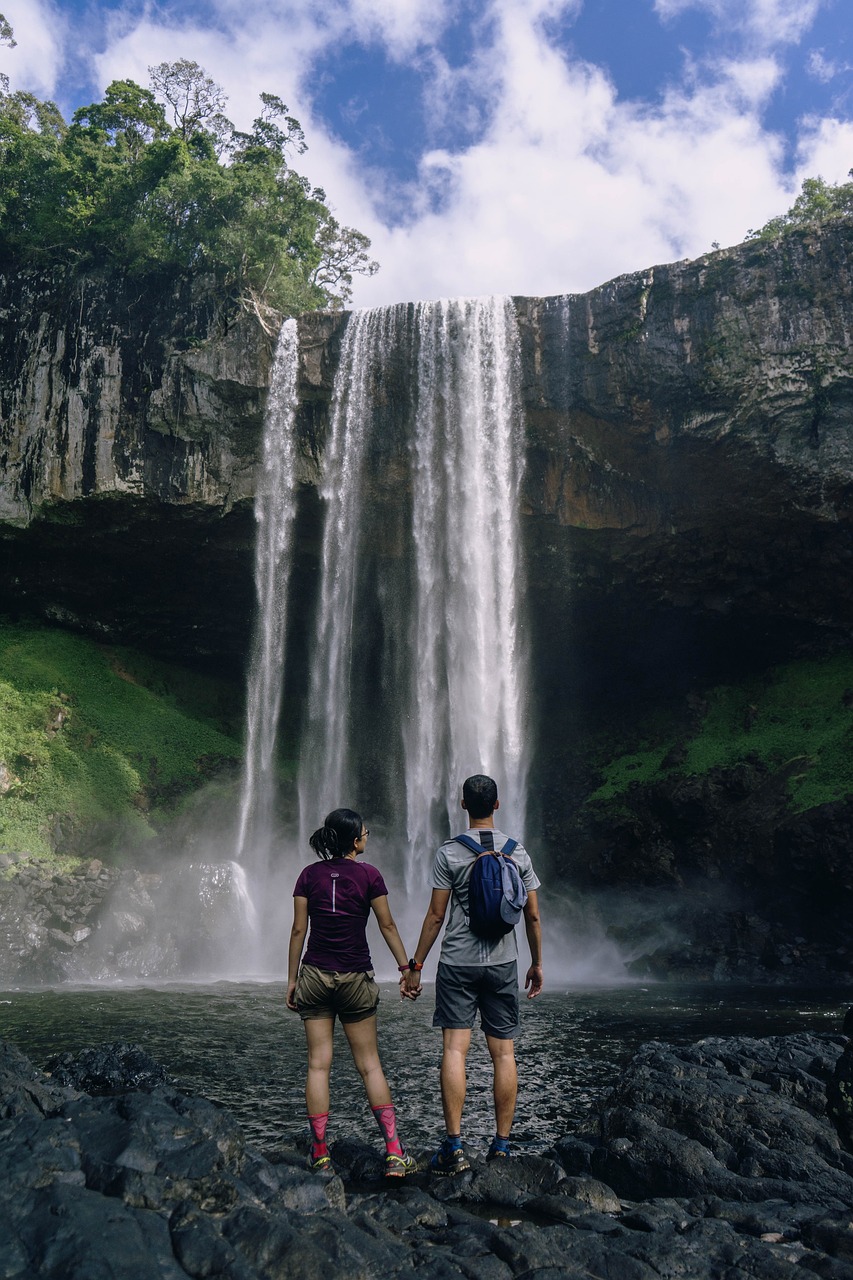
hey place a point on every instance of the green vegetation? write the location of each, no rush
(102, 739)
(159, 179)
(818, 201)
(799, 716)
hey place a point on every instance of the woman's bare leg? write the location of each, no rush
(320, 1035)
(361, 1037)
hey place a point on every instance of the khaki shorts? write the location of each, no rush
(321, 994)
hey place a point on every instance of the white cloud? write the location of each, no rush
(39, 30)
(826, 149)
(571, 186)
(770, 22)
(825, 69)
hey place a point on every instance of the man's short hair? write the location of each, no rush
(479, 795)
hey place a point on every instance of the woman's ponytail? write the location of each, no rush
(338, 834)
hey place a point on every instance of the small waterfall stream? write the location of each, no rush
(325, 757)
(274, 513)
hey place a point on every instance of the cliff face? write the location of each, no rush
(688, 495)
(687, 426)
(130, 419)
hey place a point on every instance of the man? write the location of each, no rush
(474, 974)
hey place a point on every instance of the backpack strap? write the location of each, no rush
(474, 845)
(470, 843)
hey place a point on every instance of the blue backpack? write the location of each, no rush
(496, 894)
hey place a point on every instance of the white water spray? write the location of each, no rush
(274, 512)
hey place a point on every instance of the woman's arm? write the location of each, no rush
(388, 929)
(297, 942)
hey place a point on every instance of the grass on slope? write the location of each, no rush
(92, 736)
(799, 712)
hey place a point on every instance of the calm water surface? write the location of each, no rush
(237, 1044)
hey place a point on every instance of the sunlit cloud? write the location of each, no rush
(40, 32)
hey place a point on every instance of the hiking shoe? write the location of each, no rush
(449, 1160)
(399, 1166)
(498, 1150)
(322, 1164)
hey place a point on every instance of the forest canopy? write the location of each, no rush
(159, 177)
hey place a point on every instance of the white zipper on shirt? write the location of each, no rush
(335, 875)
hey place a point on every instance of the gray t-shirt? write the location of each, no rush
(451, 870)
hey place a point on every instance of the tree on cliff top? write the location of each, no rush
(818, 201)
(124, 184)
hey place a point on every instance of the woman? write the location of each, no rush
(336, 976)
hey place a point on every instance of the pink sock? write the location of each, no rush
(386, 1118)
(318, 1133)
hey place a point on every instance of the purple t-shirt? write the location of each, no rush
(339, 895)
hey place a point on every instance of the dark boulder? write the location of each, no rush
(111, 1068)
(742, 1119)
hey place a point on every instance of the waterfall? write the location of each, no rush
(418, 663)
(274, 512)
(468, 668)
(325, 772)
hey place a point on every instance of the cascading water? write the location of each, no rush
(468, 665)
(274, 514)
(324, 773)
(419, 670)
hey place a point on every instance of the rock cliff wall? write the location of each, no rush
(688, 439)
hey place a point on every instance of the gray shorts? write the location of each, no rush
(322, 994)
(460, 990)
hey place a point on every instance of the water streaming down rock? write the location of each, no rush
(325, 774)
(468, 678)
(274, 512)
(419, 671)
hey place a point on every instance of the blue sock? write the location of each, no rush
(452, 1142)
(500, 1144)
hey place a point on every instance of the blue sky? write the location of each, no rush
(502, 146)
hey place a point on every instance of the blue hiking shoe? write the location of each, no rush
(450, 1159)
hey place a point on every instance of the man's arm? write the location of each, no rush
(533, 929)
(430, 929)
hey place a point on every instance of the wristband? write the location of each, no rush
(414, 967)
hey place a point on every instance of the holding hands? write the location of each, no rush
(410, 981)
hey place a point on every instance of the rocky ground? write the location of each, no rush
(724, 1160)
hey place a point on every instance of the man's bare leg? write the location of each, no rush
(506, 1083)
(456, 1043)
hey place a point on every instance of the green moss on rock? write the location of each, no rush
(95, 737)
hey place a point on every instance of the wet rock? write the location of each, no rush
(840, 1095)
(109, 1069)
(149, 1183)
(744, 1119)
